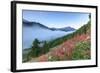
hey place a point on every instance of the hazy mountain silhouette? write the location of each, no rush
(30, 23)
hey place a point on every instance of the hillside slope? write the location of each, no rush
(75, 46)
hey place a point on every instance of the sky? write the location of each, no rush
(55, 19)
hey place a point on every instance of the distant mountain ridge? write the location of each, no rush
(30, 23)
(64, 29)
(27, 23)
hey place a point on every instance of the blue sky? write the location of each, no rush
(57, 19)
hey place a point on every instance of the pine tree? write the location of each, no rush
(35, 49)
(45, 47)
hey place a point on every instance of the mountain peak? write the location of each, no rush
(67, 28)
(64, 29)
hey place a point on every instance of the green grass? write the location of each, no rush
(80, 51)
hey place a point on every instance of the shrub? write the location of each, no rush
(81, 50)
